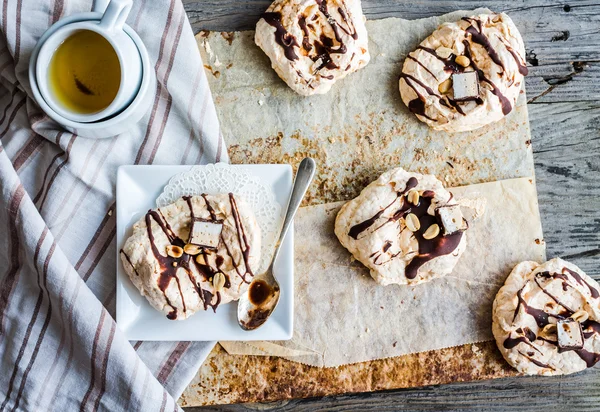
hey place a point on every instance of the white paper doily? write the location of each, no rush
(222, 178)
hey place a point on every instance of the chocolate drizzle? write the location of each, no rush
(527, 337)
(423, 66)
(582, 282)
(428, 248)
(322, 48)
(286, 40)
(477, 36)
(450, 64)
(506, 105)
(589, 327)
(361, 227)
(169, 266)
(129, 261)
(536, 362)
(305, 39)
(241, 235)
(589, 358)
(417, 106)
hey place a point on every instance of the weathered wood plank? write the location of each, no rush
(574, 392)
(566, 145)
(563, 47)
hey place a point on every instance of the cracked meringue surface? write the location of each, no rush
(379, 231)
(487, 44)
(527, 308)
(313, 43)
(178, 283)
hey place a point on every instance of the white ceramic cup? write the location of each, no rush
(111, 28)
(118, 123)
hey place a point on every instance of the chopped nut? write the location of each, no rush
(412, 222)
(463, 61)
(413, 197)
(445, 86)
(549, 331)
(191, 249)
(200, 260)
(174, 264)
(174, 251)
(218, 281)
(431, 232)
(580, 316)
(443, 52)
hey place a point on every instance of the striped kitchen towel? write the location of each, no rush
(60, 348)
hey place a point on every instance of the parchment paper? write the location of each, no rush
(360, 128)
(342, 316)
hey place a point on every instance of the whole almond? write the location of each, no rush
(463, 61)
(445, 86)
(218, 281)
(431, 232)
(412, 222)
(413, 197)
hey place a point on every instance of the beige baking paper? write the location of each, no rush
(357, 131)
(342, 316)
(360, 128)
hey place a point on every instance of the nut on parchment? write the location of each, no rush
(412, 222)
(192, 250)
(218, 281)
(431, 232)
(445, 86)
(463, 61)
(174, 251)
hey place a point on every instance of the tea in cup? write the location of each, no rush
(89, 71)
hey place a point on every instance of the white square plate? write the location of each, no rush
(138, 187)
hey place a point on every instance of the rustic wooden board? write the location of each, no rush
(563, 47)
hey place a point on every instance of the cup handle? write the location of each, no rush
(115, 15)
(100, 6)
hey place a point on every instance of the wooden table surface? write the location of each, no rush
(562, 40)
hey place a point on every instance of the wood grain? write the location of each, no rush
(562, 46)
(563, 51)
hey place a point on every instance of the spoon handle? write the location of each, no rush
(304, 176)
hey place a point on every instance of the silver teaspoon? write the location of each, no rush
(256, 305)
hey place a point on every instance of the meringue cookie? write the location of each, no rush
(180, 279)
(392, 229)
(488, 44)
(313, 43)
(527, 308)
